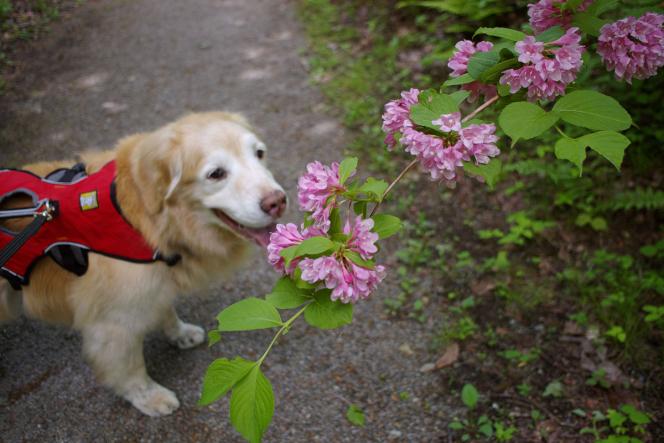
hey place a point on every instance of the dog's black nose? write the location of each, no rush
(274, 204)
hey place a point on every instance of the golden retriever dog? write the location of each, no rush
(198, 187)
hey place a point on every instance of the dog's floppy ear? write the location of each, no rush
(156, 166)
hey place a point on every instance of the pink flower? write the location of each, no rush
(458, 63)
(362, 240)
(633, 48)
(449, 122)
(397, 115)
(315, 189)
(530, 50)
(284, 237)
(480, 142)
(442, 156)
(547, 13)
(548, 68)
(348, 281)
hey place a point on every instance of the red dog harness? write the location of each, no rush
(74, 213)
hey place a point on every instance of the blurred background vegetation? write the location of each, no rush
(537, 273)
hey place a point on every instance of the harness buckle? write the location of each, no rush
(47, 209)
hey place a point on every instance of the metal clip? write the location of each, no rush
(47, 212)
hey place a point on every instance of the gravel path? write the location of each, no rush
(118, 67)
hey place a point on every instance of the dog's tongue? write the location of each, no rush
(260, 236)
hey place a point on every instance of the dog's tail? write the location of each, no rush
(10, 302)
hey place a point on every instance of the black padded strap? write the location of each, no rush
(19, 240)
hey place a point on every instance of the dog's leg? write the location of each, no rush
(10, 302)
(116, 354)
(183, 335)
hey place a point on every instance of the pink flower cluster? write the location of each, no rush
(316, 191)
(440, 156)
(458, 63)
(548, 68)
(348, 281)
(547, 13)
(286, 236)
(397, 114)
(633, 47)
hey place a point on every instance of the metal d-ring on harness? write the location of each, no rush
(45, 210)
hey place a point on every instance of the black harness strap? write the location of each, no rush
(19, 239)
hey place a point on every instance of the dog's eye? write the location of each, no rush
(260, 154)
(217, 174)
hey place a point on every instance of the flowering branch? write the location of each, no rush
(329, 262)
(408, 167)
(481, 108)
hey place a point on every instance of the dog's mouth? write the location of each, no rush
(261, 236)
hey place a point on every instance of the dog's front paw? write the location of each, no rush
(154, 400)
(188, 336)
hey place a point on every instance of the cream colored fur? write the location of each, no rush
(163, 191)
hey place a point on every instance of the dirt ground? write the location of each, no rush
(116, 67)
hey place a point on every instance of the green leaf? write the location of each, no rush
(553, 389)
(386, 225)
(311, 246)
(324, 313)
(506, 33)
(524, 120)
(460, 96)
(221, 376)
(571, 149)
(248, 314)
(637, 417)
(469, 395)
(252, 405)
(346, 168)
(358, 260)
(461, 80)
(286, 295)
(490, 172)
(335, 222)
(550, 35)
(610, 145)
(375, 187)
(592, 110)
(588, 23)
(213, 337)
(360, 208)
(355, 415)
(482, 61)
(492, 75)
(598, 7)
(430, 107)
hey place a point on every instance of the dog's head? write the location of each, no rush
(207, 172)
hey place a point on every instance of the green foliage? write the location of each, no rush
(386, 225)
(592, 110)
(474, 10)
(525, 120)
(286, 294)
(609, 144)
(249, 314)
(252, 405)
(638, 199)
(430, 107)
(355, 415)
(221, 376)
(469, 396)
(624, 425)
(324, 313)
(553, 389)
